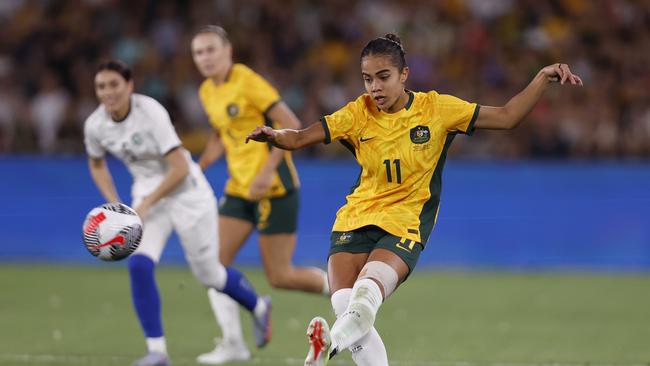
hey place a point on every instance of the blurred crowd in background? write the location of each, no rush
(483, 51)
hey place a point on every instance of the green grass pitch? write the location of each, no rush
(68, 315)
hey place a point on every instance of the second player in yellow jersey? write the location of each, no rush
(262, 188)
(235, 107)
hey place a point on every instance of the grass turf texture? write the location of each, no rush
(58, 315)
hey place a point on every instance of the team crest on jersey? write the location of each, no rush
(420, 134)
(344, 238)
(136, 139)
(232, 109)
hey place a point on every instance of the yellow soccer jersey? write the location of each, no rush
(401, 155)
(235, 108)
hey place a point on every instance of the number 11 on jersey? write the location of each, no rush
(398, 171)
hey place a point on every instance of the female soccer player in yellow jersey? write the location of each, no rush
(400, 138)
(262, 190)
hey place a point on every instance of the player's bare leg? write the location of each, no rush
(233, 233)
(277, 252)
(344, 268)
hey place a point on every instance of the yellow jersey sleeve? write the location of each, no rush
(259, 92)
(340, 124)
(456, 114)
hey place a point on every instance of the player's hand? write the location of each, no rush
(561, 73)
(143, 208)
(262, 134)
(261, 185)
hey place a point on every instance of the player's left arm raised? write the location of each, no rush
(510, 115)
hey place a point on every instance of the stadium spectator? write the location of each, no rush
(48, 109)
(477, 47)
(8, 108)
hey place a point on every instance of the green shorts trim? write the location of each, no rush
(369, 238)
(277, 215)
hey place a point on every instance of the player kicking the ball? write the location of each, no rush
(400, 138)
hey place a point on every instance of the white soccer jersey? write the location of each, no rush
(141, 141)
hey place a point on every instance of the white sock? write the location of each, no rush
(226, 310)
(370, 349)
(340, 300)
(260, 308)
(359, 317)
(157, 344)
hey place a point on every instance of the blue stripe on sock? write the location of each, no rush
(144, 294)
(238, 287)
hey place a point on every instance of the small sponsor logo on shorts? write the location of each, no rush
(406, 245)
(344, 238)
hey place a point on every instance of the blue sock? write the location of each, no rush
(144, 294)
(238, 287)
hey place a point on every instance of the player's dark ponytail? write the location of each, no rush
(389, 45)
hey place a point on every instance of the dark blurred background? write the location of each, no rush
(480, 50)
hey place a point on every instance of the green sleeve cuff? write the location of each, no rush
(470, 128)
(271, 106)
(328, 137)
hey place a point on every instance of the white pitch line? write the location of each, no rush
(45, 359)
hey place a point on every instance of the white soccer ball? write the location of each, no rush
(112, 231)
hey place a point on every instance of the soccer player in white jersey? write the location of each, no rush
(169, 192)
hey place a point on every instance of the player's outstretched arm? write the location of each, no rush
(510, 115)
(289, 139)
(103, 179)
(281, 114)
